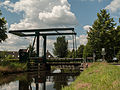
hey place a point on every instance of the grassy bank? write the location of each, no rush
(99, 76)
(11, 67)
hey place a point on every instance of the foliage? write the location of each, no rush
(3, 28)
(99, 76)
(72, 54)
(101, 34)
(69, 54)
(4, 63)
(118, 55)
(116, 40)
(60, 47)
(88, 51)
(76, 53)
(5, 56)
(20, 66)
(9, 57)
(8, 66)
(80, 51)
(2, 54)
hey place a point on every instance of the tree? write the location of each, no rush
(99, 35)
(69, 54)
(60, 47)
(3, 28)
(2, 54)
(72, 54)
(88, 51)
(80, 51)
(116, 41)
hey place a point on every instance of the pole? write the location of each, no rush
(44, 46)
(44, 86)
(37, 47)
(37, 86)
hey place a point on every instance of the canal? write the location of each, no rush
(42, 80)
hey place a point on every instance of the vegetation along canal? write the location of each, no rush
(42, 80)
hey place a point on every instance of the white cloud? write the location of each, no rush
(42, 13)
(87, 27)
(59, 16)
(80, 40)
(14, 43)
(37, 14)
(114, 6)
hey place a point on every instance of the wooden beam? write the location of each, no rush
(48, 34)
(43, 30)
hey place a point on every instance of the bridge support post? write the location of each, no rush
(44, 46)
(37, 49)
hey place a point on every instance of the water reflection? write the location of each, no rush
(38, 80)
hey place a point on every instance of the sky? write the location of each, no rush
(29, 14)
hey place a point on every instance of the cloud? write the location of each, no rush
(87, 27)
(42, 13)
(114, 6)
(37, 14)
(14, 43)
(80, 40)
(59, 16)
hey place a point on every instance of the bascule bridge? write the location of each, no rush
(43, 62)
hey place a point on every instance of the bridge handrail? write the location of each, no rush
(64, 59)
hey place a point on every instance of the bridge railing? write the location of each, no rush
(40, 59)
(64, 59)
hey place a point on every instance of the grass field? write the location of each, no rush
(99, 76)
(9, 67)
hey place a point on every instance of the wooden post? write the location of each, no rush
(37, 47)
(44, 46)
(37, 86)
(44, 86)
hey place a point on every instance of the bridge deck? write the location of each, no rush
(40, 59)
(62, 63)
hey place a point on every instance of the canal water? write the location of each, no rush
(42, 80)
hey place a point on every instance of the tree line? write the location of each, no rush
(103, 34)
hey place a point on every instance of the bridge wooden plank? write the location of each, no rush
(58, 63)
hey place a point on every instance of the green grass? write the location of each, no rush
(99, 76)
(6, 66)
(21, 66)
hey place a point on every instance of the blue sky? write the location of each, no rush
(54, 13)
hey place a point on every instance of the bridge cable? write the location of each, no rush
(73, 47)
(76, 45)
(32, 45)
